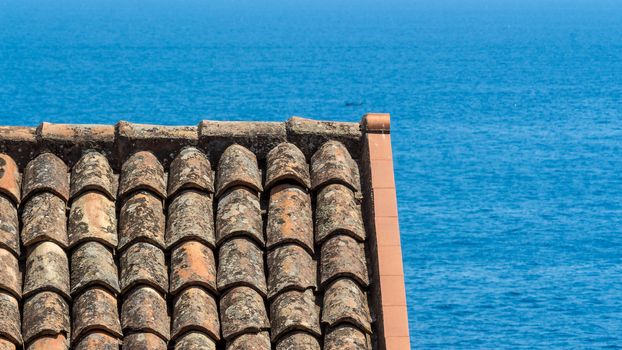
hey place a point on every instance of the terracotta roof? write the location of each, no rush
(228, 235)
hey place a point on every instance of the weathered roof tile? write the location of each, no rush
(143, 263)
(239, 213)
(237, 167)
(141, 220)
(44, 219)
(10, 318)
(333, 164)
(93, 218)
(195, 309)
(286, 162)
(49, 342)
(195, 341)
(192, 264)
(190, 169)
(48, 173)
(45, 313)
(190, 216)
(144, 310)
(47, 268)
(10, 179)
(6, 344)
(95, 309)
(10, 275)
(97, 340)
(240, 262)
(290, 218)
(250, 341)
(294, 310)
(343, 256)
(338, 212)
(93, 172)
(93, 264)
(346, 337)
(242, 310)
(142, 171)
(298, 341)
(9, 226)
(290, 267)
(345, 302)
(143, 341)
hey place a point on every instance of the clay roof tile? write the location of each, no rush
(143, 341)
(333, 164)
(239, 213)
(190, 169)
(10, 318)
(286, 162)
(97, 340)
(237, 167)
(45, 313)
(345, 302)
(10, 178)
(242, 310)
(240, 263)
(195, 309)
(47, 173)
(143, 263)
(346, 336)
(142, 171)
(93, 264)
(47, 269)
(144, 310)
(192, 264)
(290, 218)
(141, 220)
(49, 342)
(93, 218)
(193, 341)
(10, 274)
(190, 217)
(299, 341)
(290, 267)
(9, 226)
(343, 256)
(337, 211)
(44, 219)
(95, 309)
(93, 172)
(294, 310)
(250, 341)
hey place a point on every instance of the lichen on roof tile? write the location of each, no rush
(93, 264)
(195, 309)
(290, 267)
(143, 263)
(237, 167)
(240, 262)
(10, 274)
(192, 264)
(48, 173)
(49, 342)
(97, 340)
(10, 178)
(10, 318)
(9, 226)
(47, 269)
(290, 218)
(346, 337)
(337, 211)
(142, 220)
(95, 309)
(195, 340)
(93, 172)
(239, 213)
(190, 217)
(345, 302)
(45, 313)
(294, 310)
(143, 341)
(332, 163)
(343, 256)
(250, 341)
(286, 162)
(190, 169)
(142, 171)
(144, 310)
(242, 310)
(299, 341)
(6, 344)
(93, 218)
(44, 219)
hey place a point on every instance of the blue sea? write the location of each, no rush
(507, 130)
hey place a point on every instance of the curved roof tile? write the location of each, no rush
(190, 169)
(46, 173)
(44, 219)
(142, 171)
(346, 336)
(299, 341)
(290, 267)
(97, 340)
(286, 162)
(93, 264)
(10, 179)
(141, 220)
(345, 302)
(95, 309)
(195, 309)
(10, 274)
(242, 310)
(144, 310)
(237, 167)
(47, 269)
(250, 341)
(45, 313)
(337, 212)
(93, 218)
(290, 218)
(143, 341)
(195, 340)
(239, 213)
(143, 263)
(192, 264)
(49, 342)
(294, 310)
(93, 172)
(343, 256)
(190, 216)
(240, 263)
(333, 164)
(9, 226)
(10, 319)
